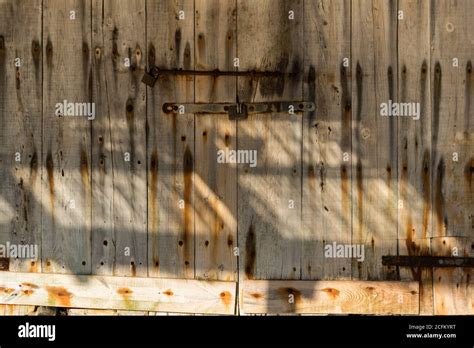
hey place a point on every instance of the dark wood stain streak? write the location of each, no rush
(436, 109)
(33, 166)
(151, 55)
(359, 173)
(345, 187)
(84, 169)
(468, 96)
(201, 47)
(50, 171)
(423, 89)
(154, 193)
(322, 176)
(392, 120)
(311, 177)
(229, 50)
(250, 252)
(425, 178)
(2, 75)
(311, 81)
(49, 53)
(188, 169)
(346, 107)
(295, 77)
(187, 56)
(130, 118)
(177, 44)
(115, 52)
(85, 60)
(270, 86)
(439, 198)
(469, 171)
(18, 82)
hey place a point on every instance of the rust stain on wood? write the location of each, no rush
(125, 292)
(30, 285)
(331, 292)
(7, 290)
(226, 298)
(59, 295)
(168, 292)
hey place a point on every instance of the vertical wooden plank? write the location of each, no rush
(119, 138)
(269, 230)
(215, 183)
(452, 132)
(326, 201)
(374, 140)
(66, 199)
(170, 144)
(414, 138)
(103, 236)
(20, 128)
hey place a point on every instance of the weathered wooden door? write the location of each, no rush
(139, 192)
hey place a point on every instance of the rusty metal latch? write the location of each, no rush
(427, 261)
(151, 76)
(238, 111)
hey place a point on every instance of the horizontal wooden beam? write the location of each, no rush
(127, 293)
(331, 297)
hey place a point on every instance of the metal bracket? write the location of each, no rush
(427, 261)
(151, 76)
(238, 111)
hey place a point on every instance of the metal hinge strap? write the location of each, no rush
(151, 76)
(238, 111)
(427, 261)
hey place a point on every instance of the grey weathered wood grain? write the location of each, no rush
(66, 194)
(374, 138)
(119, 138)
(20, 129)
(215, 183)
(326, 189)
(269, 230)
(170, 143)
(414, 149)
(452, 131)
